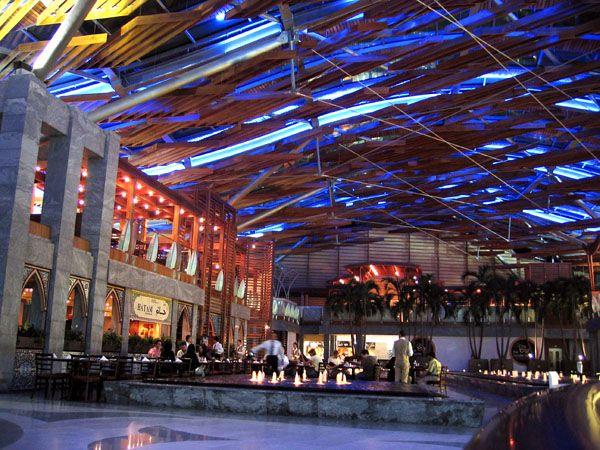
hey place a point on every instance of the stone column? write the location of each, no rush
(326, 346)
(174, 319)
(96, 227)
(21, 103)
(58, 212)
(126, 320)
(195, 312)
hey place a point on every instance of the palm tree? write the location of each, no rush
(569, 302)
(422, 298)
(357, 301)
(400, 298)
(478, 307)
(529, 297)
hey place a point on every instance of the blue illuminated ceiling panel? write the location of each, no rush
(462, 123)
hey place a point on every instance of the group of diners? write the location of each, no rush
(187, 350)
(366, 367)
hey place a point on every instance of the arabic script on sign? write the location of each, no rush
(151, 308)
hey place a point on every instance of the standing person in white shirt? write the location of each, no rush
(218, 348)
(402, 350)
(274, 351)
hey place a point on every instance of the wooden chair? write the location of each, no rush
(164, 369)
(147, 368)
(185, 368)
(109, 370)
(125, 370)
(86, 374)
(441, 381)
(47, 374)
(376, 372)
(322, 367)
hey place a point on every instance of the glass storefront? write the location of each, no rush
(380, 346)
(150, 315)
(316, 342)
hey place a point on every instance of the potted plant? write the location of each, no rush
(111, 341)
(138, 344)
(73, 341)
(30, 337)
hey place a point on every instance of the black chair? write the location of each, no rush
(165, 369)
(125, 370)
(441, 381)
(376, 372)
(86, 375)
(48, 375)
(185, 367)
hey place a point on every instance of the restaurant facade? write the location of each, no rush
(98, 257)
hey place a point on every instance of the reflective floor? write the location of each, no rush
(60, 425)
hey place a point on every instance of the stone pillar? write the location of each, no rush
(195, 312)
(21, 104)
(326, 346)
(96, 226)
(126, 320)
(174, 320)
(58, 212)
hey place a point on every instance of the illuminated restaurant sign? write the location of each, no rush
(150, 308)
(286, 310)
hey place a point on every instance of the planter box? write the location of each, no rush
(73, 346)
(502, 364)
(139, 348)
(537, 365)
(570, 367)
(30, 342)
(475, 365)
(111, 348)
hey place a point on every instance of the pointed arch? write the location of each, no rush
(34, 274)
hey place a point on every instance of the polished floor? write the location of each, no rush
(61, 425)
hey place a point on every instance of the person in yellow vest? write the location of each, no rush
(433, 370)
(402, 351)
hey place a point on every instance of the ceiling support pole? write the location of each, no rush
(43, 65)
(272, 211)
(186, 78)
(263, 175)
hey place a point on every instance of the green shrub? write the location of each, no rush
(111, 339)
(72, 335)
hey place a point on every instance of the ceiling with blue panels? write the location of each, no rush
(475, 122)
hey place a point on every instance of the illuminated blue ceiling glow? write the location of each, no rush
(249, 145)
(161, 170)
(547, 216)
(581, 104)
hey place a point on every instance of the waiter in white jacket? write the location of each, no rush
(274, 351)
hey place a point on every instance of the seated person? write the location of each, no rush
(367, 364)
(182, 350)
(433, 370)
(191, 354)
(154, 352)
(167, 353)
(218, 349)
(296, 353)
(240, 350)
(335, 364)
(312, 370)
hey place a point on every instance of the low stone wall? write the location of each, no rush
(406, 410)
(494, 386)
